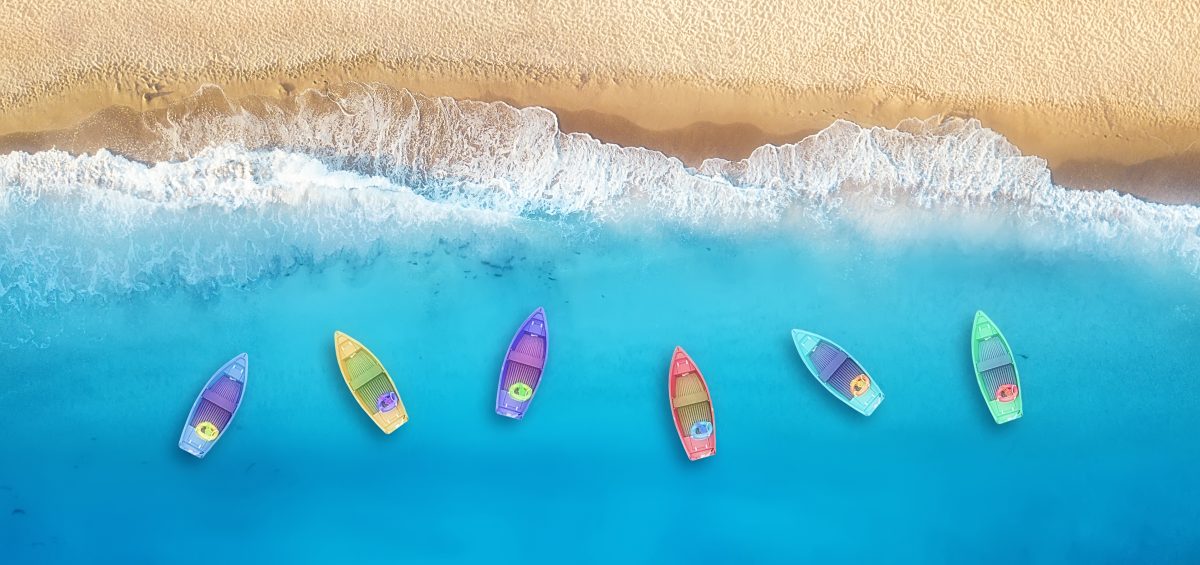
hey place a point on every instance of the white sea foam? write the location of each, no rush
(249, 194)
(104, 226)
(517, 160)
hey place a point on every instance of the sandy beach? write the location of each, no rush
(1105, 93)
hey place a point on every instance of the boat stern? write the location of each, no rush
(391, 421)
(700, 449)
(510, 413)
(869, 407)
(510, 408)
(1003, 412)
(1006, 418)
(194, 444)
(701, 454)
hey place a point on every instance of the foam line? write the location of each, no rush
(390, 169)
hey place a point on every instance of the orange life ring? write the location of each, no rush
(1007, 393)
(860, 385)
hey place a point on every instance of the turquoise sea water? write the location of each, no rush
(121, 297)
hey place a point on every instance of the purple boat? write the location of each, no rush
(524, 363)
(215, 408)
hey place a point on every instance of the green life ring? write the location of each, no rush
(520, 392)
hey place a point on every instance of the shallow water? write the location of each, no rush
(1097, 470)
(124, 285)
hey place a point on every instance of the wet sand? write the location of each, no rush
(1108, 99)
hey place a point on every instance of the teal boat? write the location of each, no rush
(995, 370)
(838, 372)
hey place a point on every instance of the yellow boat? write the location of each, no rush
(370, 383)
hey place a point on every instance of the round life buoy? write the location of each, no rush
(701, 430)
(520, 392)
(860, 385)
(1007, 393)
(207, 431)
(387, 401)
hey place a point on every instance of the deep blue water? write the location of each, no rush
(1100, 469)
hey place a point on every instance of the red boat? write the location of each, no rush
(691, 407)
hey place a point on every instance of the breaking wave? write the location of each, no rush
(215, 192)
(102, 225)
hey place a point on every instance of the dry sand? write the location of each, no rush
(1108, 94)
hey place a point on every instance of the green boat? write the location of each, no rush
(995, 370)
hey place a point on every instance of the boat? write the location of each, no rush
(215, 407)
(524, 363)
(691, 407)
(838, 372)
(995, 370)
(370, 383)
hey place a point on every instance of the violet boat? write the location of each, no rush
(215, 408)
(524, 363)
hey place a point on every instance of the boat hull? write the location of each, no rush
(838, 372)
(996, 370)
(691, 407)
(215, 407)
(370, 384)
(523, 366)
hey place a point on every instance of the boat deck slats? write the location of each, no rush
(532, 344)
(692, 413)
(827, 358)
(369, 393)
(521, 373)
(986, 365)
(226, 404)
(527, 359)
(362, 367)
(841, 377)
(992, 355)
(209, 412)
(225, 393)
(998, 377)
(689, 390)
(687, 399)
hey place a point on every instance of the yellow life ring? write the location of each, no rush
(207, 430)
(860, 385)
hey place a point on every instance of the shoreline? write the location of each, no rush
(1090, 149)
(1104, 93)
